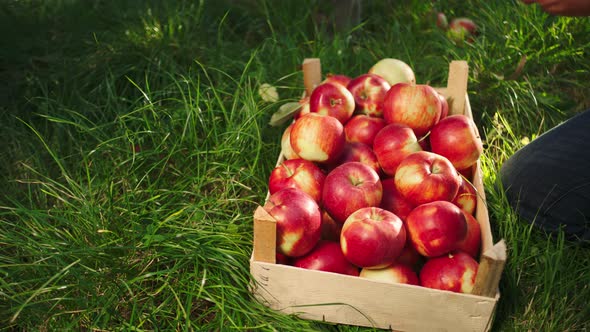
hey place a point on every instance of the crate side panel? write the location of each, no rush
(351, 300)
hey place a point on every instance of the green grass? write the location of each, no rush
(136, 147)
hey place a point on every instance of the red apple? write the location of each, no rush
(286, 148)
(471, 244)
(327, 256)
(467, 172)
(409, 255)
(298, 219)
(466, 197)
(349, 187)
(392, 144)
(396, 273)
(282, 259)
(456, 137)
(363, 128)
(436, 228)
(332, 99)
(330, 228)
(416, 106)
(298, 173)
(424, 177)
(424, 142)
(337, 79)
(393, 71)
(444, 103)
(454, 272)
(394, 201)
(362, 153)
(318, 138)
(368, 91)
(372, 237)
(462, 29)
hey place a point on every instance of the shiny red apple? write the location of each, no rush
(363, 128)
(396, 273)
(453, 272)
(298, 220)
(360, 152)
(349, 187)
(332, 99)
(471, 244)
(317, 138)
(392, 144)
(369, 91)
(436, 228)
(417, 106)
(372, 237)
(298, 173)
(456, 137)
(424, 177)
(327, 256)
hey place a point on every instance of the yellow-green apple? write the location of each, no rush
(337, 79)
(298, 219)
(317, 138)
(393, 200)
(330, 228)
(333, 100)
(436, 228)
(349, 187)
(363, 128)
(393, 71)
(471, 244)
(286, 148)
(417, 106)
(456, 137)
(466, 197)
(462, 29)
(424, 177)
(359, 152)
(298, 173)
(453, 272)
(368, 91)
(372, 237)
(303, 107)
(327, 256)
(392, 144)
(397, 273)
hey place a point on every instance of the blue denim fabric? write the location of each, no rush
(547, 182)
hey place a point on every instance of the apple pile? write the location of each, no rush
(375, 182)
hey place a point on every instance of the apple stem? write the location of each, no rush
(334, 102)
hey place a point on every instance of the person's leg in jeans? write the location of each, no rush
(548, 181)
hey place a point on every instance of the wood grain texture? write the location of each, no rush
(457, 86)
(358, 301)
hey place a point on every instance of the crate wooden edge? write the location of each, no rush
(268, 276)
(342, 299)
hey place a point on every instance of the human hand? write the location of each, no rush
(563, 7)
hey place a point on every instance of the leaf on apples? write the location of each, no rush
(285, 113)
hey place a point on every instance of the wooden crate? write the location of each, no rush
(344, 299)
